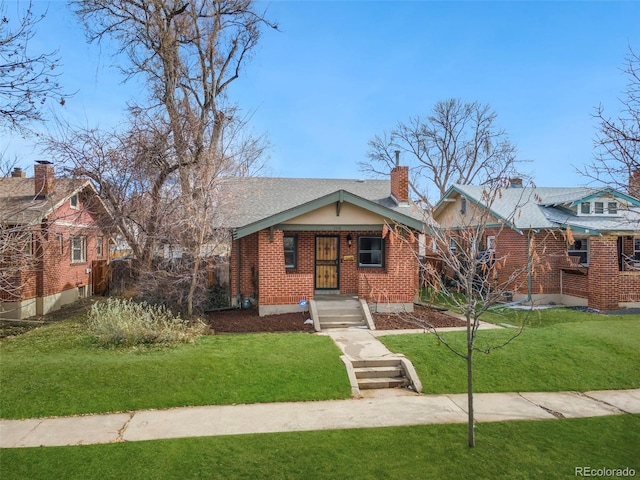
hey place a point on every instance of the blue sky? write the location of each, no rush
(340, 72)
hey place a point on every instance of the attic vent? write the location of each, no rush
(463, 205)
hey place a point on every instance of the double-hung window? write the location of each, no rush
(579, 248)
(370, 252)
(636, 248)
(290, 251)
(598, 208)
(585, 208)
(78, 249)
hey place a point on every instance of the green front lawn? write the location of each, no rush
(551, 449)
(558, 350)
(58, 371)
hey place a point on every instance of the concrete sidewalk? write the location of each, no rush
(380, 408)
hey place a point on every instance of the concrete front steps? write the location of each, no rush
(339, 312)
(380, 373)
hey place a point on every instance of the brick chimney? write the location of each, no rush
(515, 182)
(400, 181)
(44, 178)
(18, 173)
(634, 183)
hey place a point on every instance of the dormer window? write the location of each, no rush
(598, 207)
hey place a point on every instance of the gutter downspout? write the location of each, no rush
(238, 294)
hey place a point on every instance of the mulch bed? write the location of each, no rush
(248, 321)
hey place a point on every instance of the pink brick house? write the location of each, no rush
(587, 238)
(53, 248)
(295, 239)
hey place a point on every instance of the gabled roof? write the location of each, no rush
(548, 207)
(19, 205)
(263, 202)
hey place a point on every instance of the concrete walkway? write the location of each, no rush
(375, 408)
(379, 408)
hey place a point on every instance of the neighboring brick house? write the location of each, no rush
(52, 246)
(294, 239)
(587, 238)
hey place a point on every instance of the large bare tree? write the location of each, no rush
(458, 142)
(188, 52)
(28, 79)
(159, 176)
(617, 143)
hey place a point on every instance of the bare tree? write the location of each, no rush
(158, 177)
(458, 142)
(189, 52)
(27, 79)
(463, 269)
(169, 233)
(617, 143)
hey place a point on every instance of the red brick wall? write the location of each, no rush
(287, 286)
(53, 272)
(601, 283)
(397, 282)
(276, 286)
(547, 253)
(575, 284)
(249, 266)
(629, 287)
(603, 273)
(400, 183)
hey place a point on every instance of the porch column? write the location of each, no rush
(603, 273)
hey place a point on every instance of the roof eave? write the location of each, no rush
(339, 196)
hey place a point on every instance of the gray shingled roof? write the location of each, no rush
(19, 205)
(541, 208)
(258, 198)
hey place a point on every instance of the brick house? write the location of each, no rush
(587, 238)
(295, 239)
(53, 249)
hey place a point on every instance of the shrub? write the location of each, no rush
(123, 322)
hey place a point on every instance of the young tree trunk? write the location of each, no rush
(472, 435)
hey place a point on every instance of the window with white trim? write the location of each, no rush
(579, 248)
(370, 252)
(598, 208)
(78, 249)
(74, 202)
(612, 208)
(585, 208)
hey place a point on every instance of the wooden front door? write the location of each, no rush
(327, 263)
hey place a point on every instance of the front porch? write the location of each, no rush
(279, 269)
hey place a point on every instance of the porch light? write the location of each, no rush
(349, 239)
